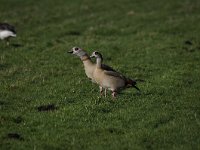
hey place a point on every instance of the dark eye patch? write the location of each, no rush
(76, 48)
(96, 53)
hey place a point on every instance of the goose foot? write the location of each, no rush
(114, 94)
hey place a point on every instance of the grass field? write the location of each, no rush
(158, 41)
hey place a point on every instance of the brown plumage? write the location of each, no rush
(109, 79)
(89, 66)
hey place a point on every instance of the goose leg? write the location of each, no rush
(105, 92)
(7, 42)
(101, 90)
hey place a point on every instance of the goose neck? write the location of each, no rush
(85, 58)
(99, 61)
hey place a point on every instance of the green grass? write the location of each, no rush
(142, 39)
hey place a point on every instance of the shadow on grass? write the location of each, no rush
(188, 42)
(116, 131)
(16, 45)
(15, 136)
(4, 66)
(17, 120)
(50, 107)
(2, 103)
(162, 121)
(189, 46)
(75, 33)
(148, 143)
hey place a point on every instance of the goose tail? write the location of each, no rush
(131, 83)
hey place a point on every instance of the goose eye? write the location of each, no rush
(76, 49)
(96, 53)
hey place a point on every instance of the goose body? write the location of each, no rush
(7, 31)
(89, 66)
(6, 34)
(109, 79)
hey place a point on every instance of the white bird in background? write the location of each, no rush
(6, 32)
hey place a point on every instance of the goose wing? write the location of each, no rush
(115, 74)
(6, 26)
(106, 67)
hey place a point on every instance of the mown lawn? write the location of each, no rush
(158, 41)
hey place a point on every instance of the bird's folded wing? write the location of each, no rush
(5, 26)
(115, 74)
(108, 68)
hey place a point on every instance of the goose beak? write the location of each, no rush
(92, 56)
(70, 52)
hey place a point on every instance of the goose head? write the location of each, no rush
(96, 55)
(77, 51)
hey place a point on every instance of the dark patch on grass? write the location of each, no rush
(3, 66)
(171, 47)
(75, 33)
(188, 42)
(2, 103)
(148, 143)
(189, 46)
(188, 81)
(162, 121)
(50, 107)
(59, 41)
(115, 130)
(189, 49)
(111, 130)
(105, 110)
(17, 45)
(198, 47)
(49, 44)
(14, 136)
(17, 120)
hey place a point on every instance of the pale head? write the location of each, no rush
(77, 51)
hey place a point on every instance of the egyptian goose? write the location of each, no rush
(7, 31)
(109, 79)
(89, 66)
